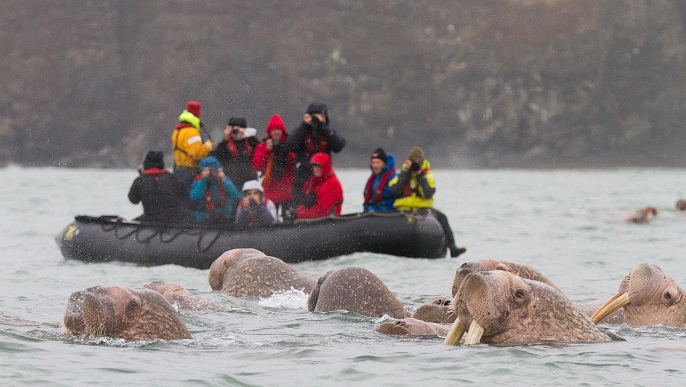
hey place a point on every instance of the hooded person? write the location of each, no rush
(235, 152)
(188, 145)
(377, 195)
(312, 136)
(213, 193)
(163, 197)
(276, 165)
(254, 209)
(414, 188)
(323, 193)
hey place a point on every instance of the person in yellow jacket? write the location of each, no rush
(414, 188)
(188, 145)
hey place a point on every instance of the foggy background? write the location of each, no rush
(528, 83)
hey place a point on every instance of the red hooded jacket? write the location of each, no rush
(326, 188)
(280, 189)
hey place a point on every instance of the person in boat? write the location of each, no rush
(163, 196)
(312, 136)
(276, 165)
(235, 151)
(254, 209)
(188, 145)
(213, 193)
(414, 189)
(323, 193)
(377, 195)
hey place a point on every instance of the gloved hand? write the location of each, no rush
(310, 200)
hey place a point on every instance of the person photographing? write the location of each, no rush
(254, 209)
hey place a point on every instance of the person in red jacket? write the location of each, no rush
(323, 192)
(276, 165)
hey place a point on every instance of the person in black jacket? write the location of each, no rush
(235, 152)
(163, 196)
(312, 136)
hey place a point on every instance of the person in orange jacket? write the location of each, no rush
(188, 145)
(323, 193)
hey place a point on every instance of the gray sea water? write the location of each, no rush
(567, 223)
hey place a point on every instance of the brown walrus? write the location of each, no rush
(356, 290)
(518, 269)
(436, 310)
(643, 215)
(680, 205)
(499, 307)
(183, 299)
(250, 273)
(649, 297)
(411, 327)
(119, 312)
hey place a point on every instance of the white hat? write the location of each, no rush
(252, 184)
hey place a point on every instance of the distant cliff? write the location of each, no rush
(531, 83)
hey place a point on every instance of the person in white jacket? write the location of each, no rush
(254, 209)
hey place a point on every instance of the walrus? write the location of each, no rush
(125, 313)
(518, 269)
(183, 299)
(680, 205)
(649, 297)
(643, 215)
(356, 290)
(250, 273)
(411, 327)
(436, 310)
(499, 307)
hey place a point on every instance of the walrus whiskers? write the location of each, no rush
(474, 334)
(618, 302)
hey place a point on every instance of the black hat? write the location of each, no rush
(379, 154)
(316, 107)
(154, 159)
(238, 121)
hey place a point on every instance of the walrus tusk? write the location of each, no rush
(605, 310)
(474, 333)
(456, 331)
(604, 306)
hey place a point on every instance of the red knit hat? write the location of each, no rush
(275, 123)
(193, 107)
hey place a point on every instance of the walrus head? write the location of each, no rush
(410, 326)
(518, 269)
(218, 269)
(649, 297)
(119, 312)
(437, 310)
(499, 307)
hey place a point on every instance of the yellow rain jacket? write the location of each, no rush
(187, 143)
(413, 190)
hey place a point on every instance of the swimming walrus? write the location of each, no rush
(436, 310)
(250, 273)
(518, 269)
(643, 215)
(499, 307)
(411, 327)
(125, 313)
(649, 297)
(356, 290)
(183, 299)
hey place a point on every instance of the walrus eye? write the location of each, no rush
(519, 293)
(668, 296)
(447, 302)
(462, 266)
(132, 305)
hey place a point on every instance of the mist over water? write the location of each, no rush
(567, 223)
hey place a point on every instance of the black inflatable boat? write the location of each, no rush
(111, 238)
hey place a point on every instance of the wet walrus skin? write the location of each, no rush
(356, 290)
(499, 307)
(119, 312)
(183, 299)
(250, 273)
(518, 269)
(649, 297)
(437, 309)
(411, 327)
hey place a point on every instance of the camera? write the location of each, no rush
(235, 131)
(415, 167)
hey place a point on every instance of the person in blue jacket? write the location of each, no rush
(377, 195)
(213, 193)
